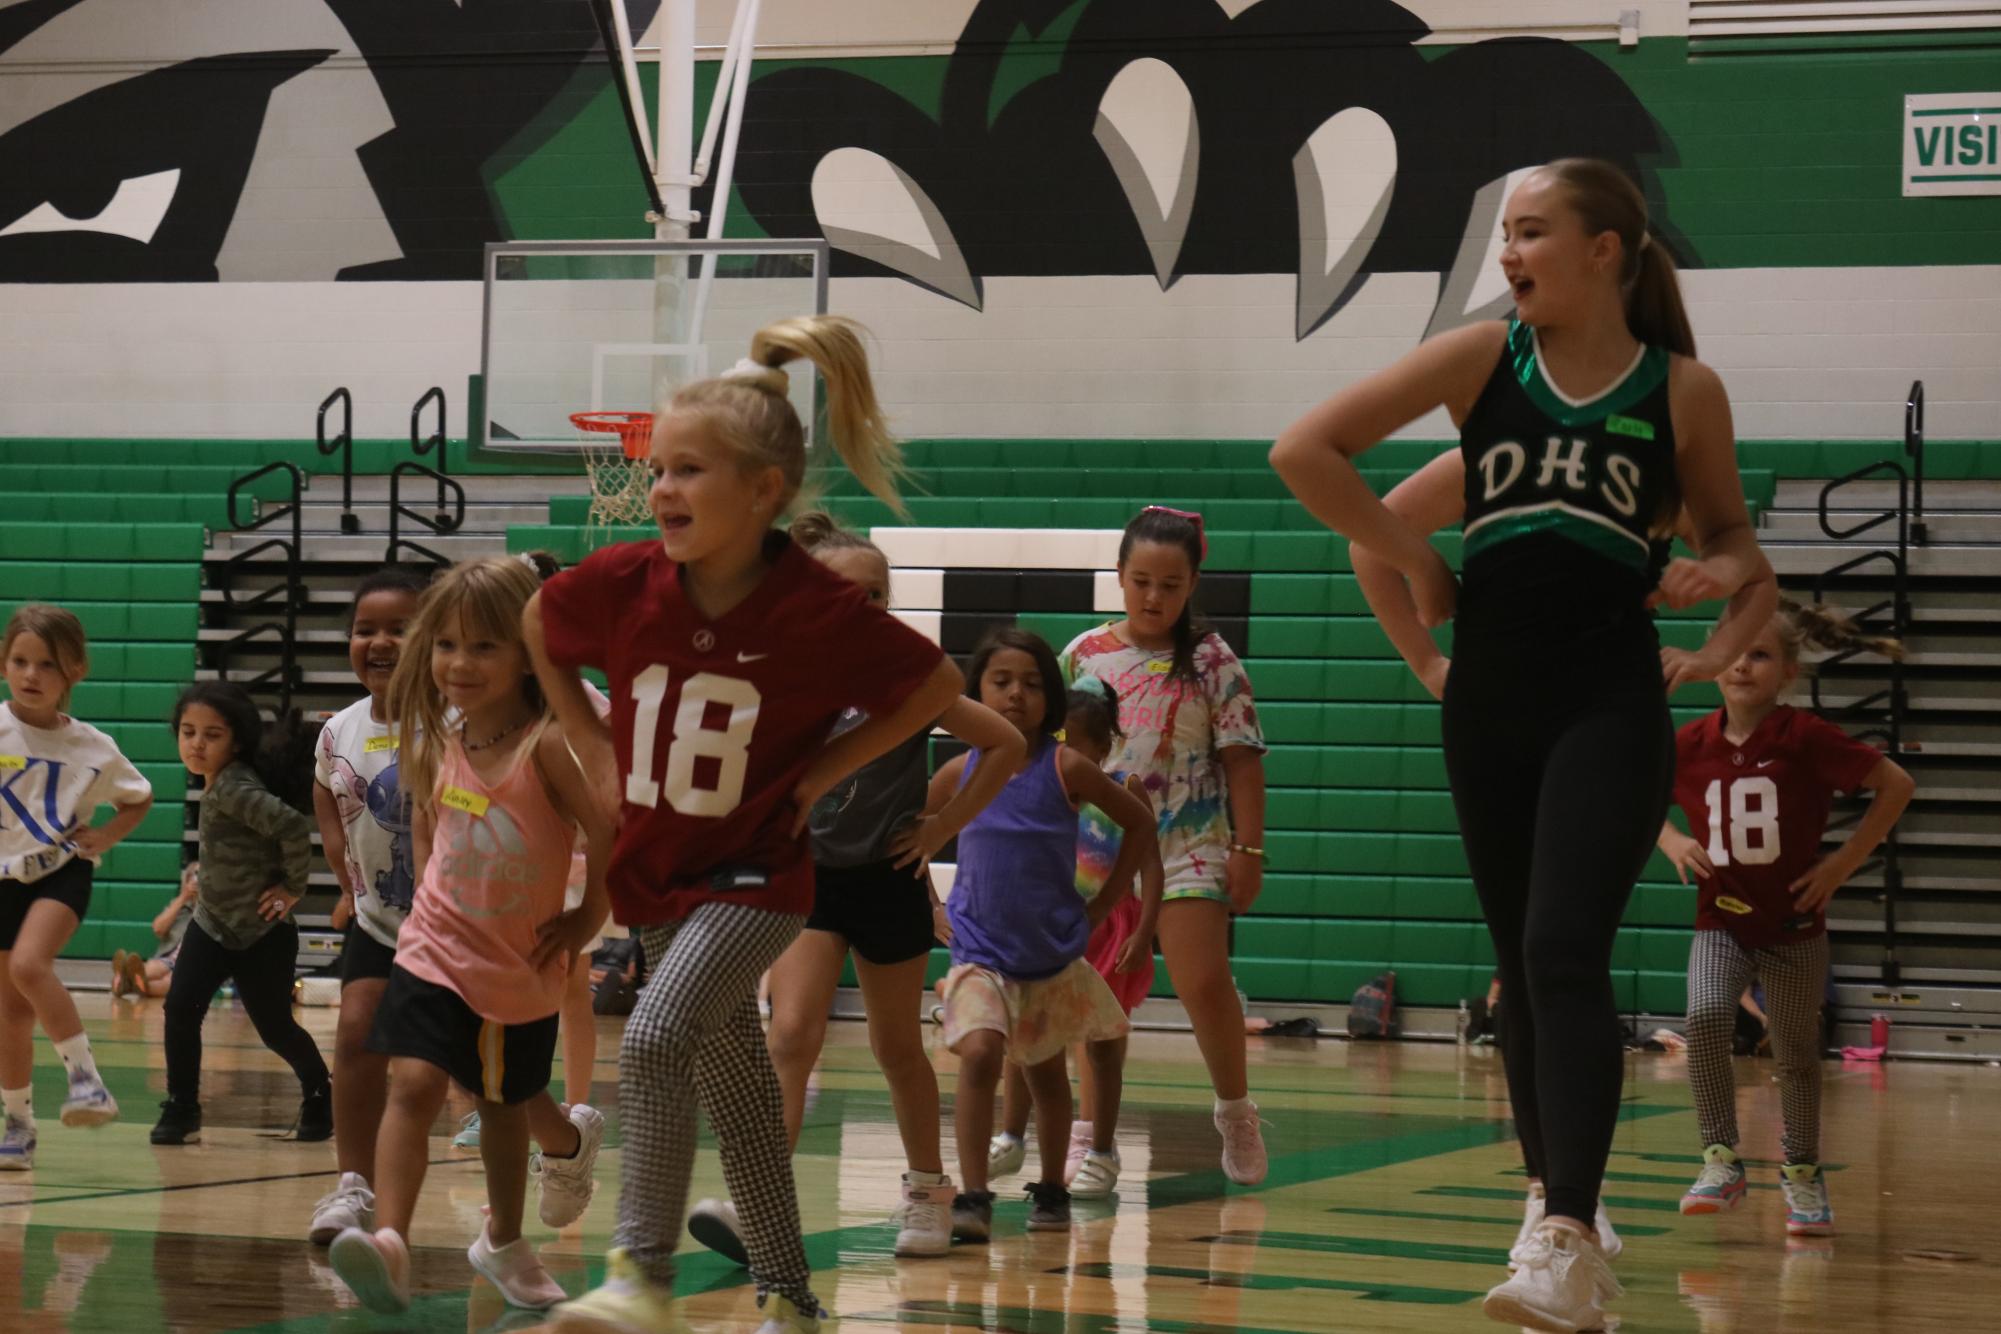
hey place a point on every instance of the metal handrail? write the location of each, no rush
(1890, 703)
(1914, 450)
(350, 522)
(290, 593)
(420, 445)
(437, 522)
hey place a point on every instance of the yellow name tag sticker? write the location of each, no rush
(378, 743)
(459, 799)
(1738, 906)
(1159, 668)
(13, 761)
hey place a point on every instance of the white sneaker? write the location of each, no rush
(517, 1271)
(17, 1145)
(782, 1317)
(715, 1224)
(349, 1204)
(1244, 1160)
(1097, 1176)
(376, 1268)
(566, 1183)
(1005, 1155)
(1558, 1287)
(1609, 1243)
(89, 1102)
(1532, 1215)
(1081, 1135)
(926, 1227)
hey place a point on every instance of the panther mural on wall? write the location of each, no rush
(1073, 137)
(1173, 137)
(111, 176)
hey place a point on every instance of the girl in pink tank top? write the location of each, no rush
(498, 804)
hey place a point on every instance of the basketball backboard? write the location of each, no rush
(590, 326)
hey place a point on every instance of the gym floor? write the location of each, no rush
(1394, 1194)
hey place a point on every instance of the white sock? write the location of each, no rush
(20, 1103)
(75, 1052)
(1235, 1106)
(1011, 1139)
(1081, 1130)
(917, 1178)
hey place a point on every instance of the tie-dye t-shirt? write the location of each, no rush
(1175, 730)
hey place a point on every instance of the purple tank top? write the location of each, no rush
(1014, 905)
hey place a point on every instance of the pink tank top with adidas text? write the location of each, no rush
(500, 857)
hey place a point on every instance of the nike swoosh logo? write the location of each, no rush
(1763, 763)
(752, 657)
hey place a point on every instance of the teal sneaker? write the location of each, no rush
(1808, 1211)
(468, 1136)
(1721, 1185)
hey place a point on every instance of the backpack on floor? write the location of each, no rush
(615, 977)
(1373, 1012)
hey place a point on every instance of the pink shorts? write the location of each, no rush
(1103, 952)
(1039, 1019)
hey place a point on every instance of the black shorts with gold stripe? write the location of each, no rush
(495, 1062)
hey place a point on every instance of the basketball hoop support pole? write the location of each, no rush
(675, 173)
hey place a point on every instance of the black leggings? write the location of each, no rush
(1560, 782)
(263, 976)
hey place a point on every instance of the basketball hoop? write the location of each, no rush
(620, 477)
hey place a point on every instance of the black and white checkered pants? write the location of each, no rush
(1795, 978)
(694, 1034)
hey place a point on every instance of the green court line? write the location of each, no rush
(1496, 1193)
(1637, 1178)
(1024, 1320)
(1696, 1160)
(1445, 1252)
(1418, 1215)
(1369, 1292)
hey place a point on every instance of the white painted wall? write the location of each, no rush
(1806, 353)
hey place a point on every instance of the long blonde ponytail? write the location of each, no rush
(747, 410)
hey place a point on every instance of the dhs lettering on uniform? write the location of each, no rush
(1566, 461)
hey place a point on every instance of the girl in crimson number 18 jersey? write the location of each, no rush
(730, 654)
(1756, 779)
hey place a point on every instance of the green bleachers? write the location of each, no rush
(1367, 870)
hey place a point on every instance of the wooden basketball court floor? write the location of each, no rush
(1394, 1194)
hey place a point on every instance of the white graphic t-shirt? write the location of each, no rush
(53, 779)
(356, 760)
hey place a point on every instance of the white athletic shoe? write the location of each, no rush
(1558, 1286)
(17, 1145)
(89, 1102)
(926, 1225)
(349, 1204)
(1244, 1160)
(1097, 1176)
(1609, 1243)
(715, 1224)
(517, 1271)
(782, 1317)
(1005, 1155)
(566, 1183)
(1081, 1135)
(375, 1266)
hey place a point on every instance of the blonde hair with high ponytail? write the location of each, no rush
(747, 410)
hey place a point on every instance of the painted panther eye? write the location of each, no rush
(138, 180)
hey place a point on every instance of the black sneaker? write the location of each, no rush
(973, 1215)
(316, 1116)
(179, 1123)
(1048, 1208)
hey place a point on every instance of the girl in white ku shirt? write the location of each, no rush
(55, 771)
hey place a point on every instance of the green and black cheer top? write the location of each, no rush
(1562, 498)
